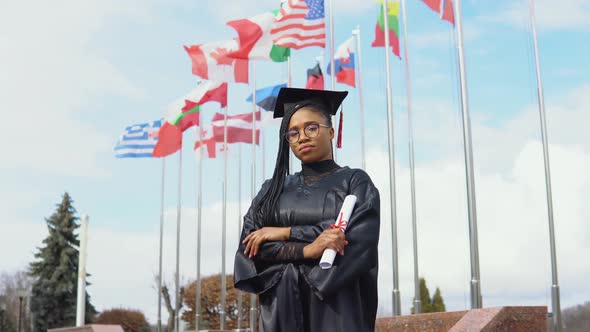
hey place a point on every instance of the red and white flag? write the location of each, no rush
(207, 91)
(208, 141)
(210, 62)
(443, 7)
(239, 130)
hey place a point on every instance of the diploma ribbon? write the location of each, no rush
(341, 224)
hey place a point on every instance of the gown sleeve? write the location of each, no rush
(259, 273)
(308, 233)
(362, 233)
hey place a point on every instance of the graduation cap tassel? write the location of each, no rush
(339, 140)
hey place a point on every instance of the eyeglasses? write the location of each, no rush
(311, 131)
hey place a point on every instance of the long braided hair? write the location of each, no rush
(266, 206)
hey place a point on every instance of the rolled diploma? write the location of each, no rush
(347, 206)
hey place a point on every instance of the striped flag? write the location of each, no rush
(239, 127)
(138, 140)
(239, 130)
(299, 24)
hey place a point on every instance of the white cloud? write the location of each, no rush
(511, 203)
(237, 9)
(550, 15)
(354, 6)
(566, 119)
(431, 39)
(444, 37)
(438, 131)
(225, 11)
(513, 229)
(52, 72)
(21, 240)
(123, 264)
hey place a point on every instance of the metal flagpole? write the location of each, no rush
(332, 76)
(390, 140)
(223, 225)
(289, 84)
(177, 290)
(161, 247)
(475, 284)
(240, 298)
(357, 33)
(83, 254)
(199, 209)
(555, 298)
(263, 146)
(417, 302)
(253, 189)
(320, 60)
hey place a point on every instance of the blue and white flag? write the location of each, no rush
(266, 98)
(138, 140)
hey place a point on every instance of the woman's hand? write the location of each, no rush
(266, 234)
(330, 238)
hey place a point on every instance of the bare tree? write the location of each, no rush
(170, 307)
(10, 285)
(577, 318)
(168, 302)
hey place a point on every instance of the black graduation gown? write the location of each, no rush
(296, 294)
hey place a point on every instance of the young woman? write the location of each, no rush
(288, 226)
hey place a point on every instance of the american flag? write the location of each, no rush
(138, 140)
(299, 24)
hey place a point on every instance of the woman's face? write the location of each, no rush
(311, 149)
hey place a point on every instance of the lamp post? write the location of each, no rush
(21, 293)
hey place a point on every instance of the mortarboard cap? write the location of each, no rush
(293, 98)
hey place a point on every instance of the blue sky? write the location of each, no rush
(76, 73)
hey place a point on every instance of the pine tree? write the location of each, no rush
(434, 304)
(55, 271)
(438, 304)
(425, 296)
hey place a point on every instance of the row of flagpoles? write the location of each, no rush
(270, 37)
